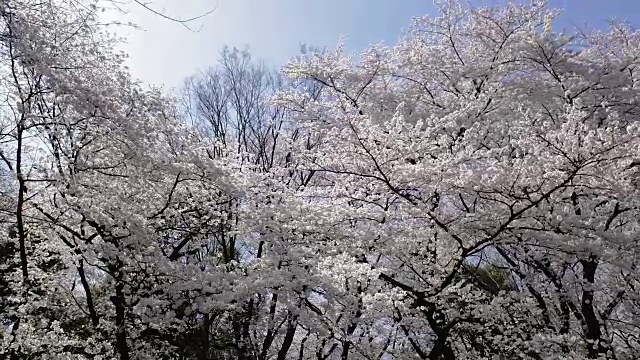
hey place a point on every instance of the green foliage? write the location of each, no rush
(489, 277)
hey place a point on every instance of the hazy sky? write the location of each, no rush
(165, 53)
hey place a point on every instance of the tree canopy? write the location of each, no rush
(471, 192)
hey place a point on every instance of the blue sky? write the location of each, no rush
(164, 53)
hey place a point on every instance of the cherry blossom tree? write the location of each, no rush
(98, 213)
(229, 107)
(471, 192)
(482, 138)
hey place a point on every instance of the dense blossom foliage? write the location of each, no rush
(472, 192)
